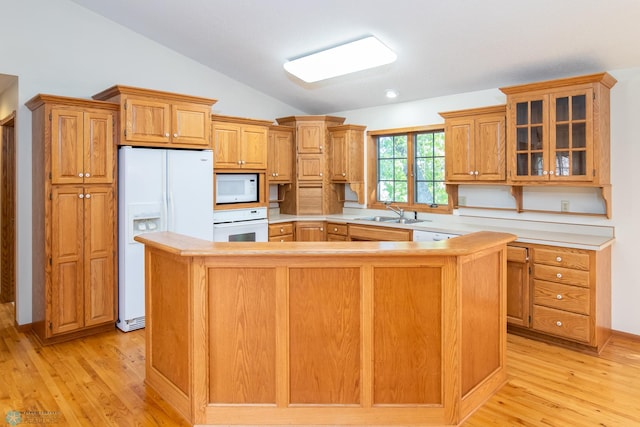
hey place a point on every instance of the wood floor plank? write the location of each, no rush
(99, 381)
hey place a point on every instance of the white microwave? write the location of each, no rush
(236, 188)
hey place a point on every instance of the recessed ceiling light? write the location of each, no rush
(391, 94)
(359, 55)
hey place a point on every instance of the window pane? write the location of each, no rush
(429, 167)
(423, 193)
(385, 170)
(440, 193)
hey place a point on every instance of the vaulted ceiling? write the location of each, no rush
(444, 46)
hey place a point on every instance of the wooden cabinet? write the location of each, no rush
(376, 233)
(311, 192)
(74, 217)
(239, 143)
(558, 131)
(518, 302)
(161, 119)
(337, 232)
(310, 231)
(570, 296)
(280, 154)
(475, 144)
(281, 232)
(346, 153)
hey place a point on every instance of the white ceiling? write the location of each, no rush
(444, 46)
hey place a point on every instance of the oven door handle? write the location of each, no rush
(239, 223)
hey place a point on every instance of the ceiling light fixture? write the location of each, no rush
(359, 55)
(391, 94)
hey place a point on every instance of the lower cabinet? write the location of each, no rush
(337, 232)
(282, 232)
(376, 233)
(311, 231)
(570, 296)
(518, 285)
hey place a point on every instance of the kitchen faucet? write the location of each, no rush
(399, 211)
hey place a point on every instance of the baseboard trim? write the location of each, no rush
(26, 328)
(625, 335)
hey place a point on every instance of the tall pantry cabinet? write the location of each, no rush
(74, 217)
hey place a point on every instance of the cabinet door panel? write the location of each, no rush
(98, 148)
(310, 167)
(66, 301)
(191, 125)
(66, 146)
(147, 121)
(339, 166)
(254, 148)
(490, 148)
(99, 242)
(460, 146)
(310, 138)
(226, 137)
(280, 156)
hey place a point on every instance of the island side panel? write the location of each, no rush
(168, 327)
(407, 335)
(483, 325)
(242, 328)
(324, 342)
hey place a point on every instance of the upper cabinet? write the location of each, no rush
(475, 144)
(558, 131)
(161, 119)
(346, 147)
(280, 154)
(239, 143)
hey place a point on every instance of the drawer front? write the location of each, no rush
(333, 228)
(516, 254)
(280, 229)
(282, 238)
(563, 297)
(562, 258)
(561, 275)
(561, 323)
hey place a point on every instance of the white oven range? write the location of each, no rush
(240, 225)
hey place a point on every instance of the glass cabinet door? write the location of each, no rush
(571, 135)
(531, 159)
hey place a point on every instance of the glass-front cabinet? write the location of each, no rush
(558, 131)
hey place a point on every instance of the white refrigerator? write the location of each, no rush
(159, 190)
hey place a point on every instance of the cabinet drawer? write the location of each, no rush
(561, 323)
(517, 254)
(280, 229)
(561, 275)
(561, 258)
(378, 234)
(333, 228)
(282, 238)
(563, 297)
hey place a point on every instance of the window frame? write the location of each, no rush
(372, 170)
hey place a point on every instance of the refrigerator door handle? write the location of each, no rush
(170, 205)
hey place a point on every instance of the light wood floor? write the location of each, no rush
(99, 381)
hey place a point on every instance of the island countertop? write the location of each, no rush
(325, 333)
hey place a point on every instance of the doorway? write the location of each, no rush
(7, 209)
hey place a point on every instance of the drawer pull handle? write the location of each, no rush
(282, 230)
(559, 296)
(558, 323)
(559, 275)
(335, 229)
(559, 258)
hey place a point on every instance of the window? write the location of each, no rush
(408, 169)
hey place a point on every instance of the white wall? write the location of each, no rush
(625, 178)
(57, 47)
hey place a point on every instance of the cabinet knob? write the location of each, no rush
(239, 162)
(282, 240)
(282, 230)
(87, 175)
(559, 259)
(559, 296)
(175, 135)
(558, 323)
(87, 196)
(81, 196)
(81, 175)
(335, 228)
(475, 172)
(344, 174)
(550, 172)
(559, 275)
(243, 162)
(321, 228)
(320, 174)
(544, 172)
(470, 172)
(277, 174)
(320, 148)
(166, 135)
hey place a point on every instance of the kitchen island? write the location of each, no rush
(303, 333)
